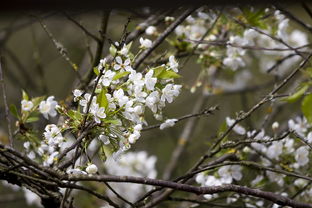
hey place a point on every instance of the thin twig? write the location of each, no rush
(294, 18)
(162, 37)
(192, 115)
(82, 28)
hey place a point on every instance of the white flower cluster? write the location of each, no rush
(286, 146)
(235, 53)
(132, 164)
(299, 125)
(226, 175)
(122, 95)
(195, 27)
(46, 107)
(49, 147)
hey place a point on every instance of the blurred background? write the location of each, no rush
(31, 61)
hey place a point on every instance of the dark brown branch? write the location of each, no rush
(278, 199)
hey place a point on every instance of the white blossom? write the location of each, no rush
(275, 126)
(169, 92)
(173, 64)
(26, 145)
(149, 80)
(275, 177)
(168, 123)
(91, 169)
(150, 30)
(77, 94)
(76, 171)
(122, 65)
(275, 150)
(145, 43)
(302, 156)
(99, 113)
(27, 105)
(134, 136)
(234, 62)
(124, 51)
(230, 172)
(102, 64)
(107, 77)
(152, 100)
(300, 125)
(237, 128)
(47, 108)
(309, 137)
(300, 182)
(121, 98)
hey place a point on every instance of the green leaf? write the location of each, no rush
(102, 99)
(112, 50)
(294, 97)
(96, 71)
(24, 95)
(168, 75)
(158, 70)
(254, 18)
(114, 122)
(31, 119)
(75, 115)
(161, 73)
(306, 107)
(128, 46)
(36, 101)
(120, 75)
(14, 111)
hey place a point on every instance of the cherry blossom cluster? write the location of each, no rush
(273, 151)
(123, 94)
(116, 105)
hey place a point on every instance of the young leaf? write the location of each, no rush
(120, 75)
(158, 70)
(75, 115)
(112, 50)
(24, 95)
(128, 46)
(31, 119)
(306, 107)
(96, 71)
(36, 101)
(168, 75)
(294, 97)
(102, 99)
(114, 122)
(14, 111)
